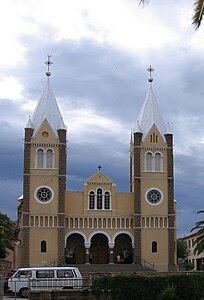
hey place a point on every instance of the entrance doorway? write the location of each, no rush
(99, 249)
(123, 248)
(75, 250)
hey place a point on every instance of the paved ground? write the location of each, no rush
(11, 297)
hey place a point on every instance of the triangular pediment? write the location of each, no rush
(99, 177)
(154, 137)
(45, 133)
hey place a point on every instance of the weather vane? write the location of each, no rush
(150, 70)
(48, 63)
(99, 168)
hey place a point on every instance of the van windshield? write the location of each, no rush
(22, 274)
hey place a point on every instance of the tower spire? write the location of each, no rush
(47, 107)
(150, 113)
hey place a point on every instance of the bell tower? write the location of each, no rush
(42, 224)
(152, 182)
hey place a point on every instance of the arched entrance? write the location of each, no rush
(123, 247)
(75, 250)
(99, 249)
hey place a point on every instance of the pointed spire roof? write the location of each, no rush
(29, 124)
(47, 108)
(150, 114)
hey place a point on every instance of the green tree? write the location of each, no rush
(197, 14)
(7, 237)
(182, 249)
(199, 247)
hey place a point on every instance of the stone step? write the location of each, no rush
(112, 268)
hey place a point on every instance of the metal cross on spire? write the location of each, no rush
(150, 70)
(99, 168)
(48, 63)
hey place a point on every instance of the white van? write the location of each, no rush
(44, 278)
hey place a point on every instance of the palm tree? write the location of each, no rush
(200, 239)
(198, 11)
(6, 235)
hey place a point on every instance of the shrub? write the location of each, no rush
(146, 287)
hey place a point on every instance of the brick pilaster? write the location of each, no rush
(137, 196)
(171, 212)
(61, 195)
(26, 198)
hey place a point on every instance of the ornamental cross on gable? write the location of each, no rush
(48, 62)
(150, 70)
(99, 168)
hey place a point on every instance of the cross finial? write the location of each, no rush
(99, 168)
(48, 63)
(150, 70)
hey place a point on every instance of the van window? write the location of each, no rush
(45, 274)
(23, 274)
(65, 274)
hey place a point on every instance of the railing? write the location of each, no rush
(148, 264)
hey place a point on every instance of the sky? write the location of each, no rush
(100, 51)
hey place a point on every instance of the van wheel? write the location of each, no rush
(24, 293)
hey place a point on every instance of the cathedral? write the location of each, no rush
(97, 225)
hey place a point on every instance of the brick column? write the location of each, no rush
(137, 197)
(26, 198)
(61, 195)
(171, 212)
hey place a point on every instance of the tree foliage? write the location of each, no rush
(6, 235)
(182, 249)
(200, 238)
(197, 13)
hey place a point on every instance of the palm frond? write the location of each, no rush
(198, 13)
(143, 2)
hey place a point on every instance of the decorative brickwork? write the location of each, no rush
(26, 198)
(61, 193)
(171, 230)
(137, 196)
(137, 249)
(61, 247)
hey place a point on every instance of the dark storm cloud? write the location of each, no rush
(113, 83)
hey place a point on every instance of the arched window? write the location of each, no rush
(49, 158)
(158, 162)
(99, 198)
(154, 247)
(91, 200)
(43, 246)
(40, 154)
(148, 162)
(107, 200)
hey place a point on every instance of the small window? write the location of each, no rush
(91, 200)
(49, 158)
(45, 274)
(43, 246)
(65, 274)
(99, 199)
(148, 162)
(158, 159)
(40, 154)
(107, 200)
(154, 247)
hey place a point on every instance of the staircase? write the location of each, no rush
(113, 268)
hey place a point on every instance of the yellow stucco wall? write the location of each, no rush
(43, 234)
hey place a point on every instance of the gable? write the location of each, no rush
(99, 177)
(45, 133)
(154, 138)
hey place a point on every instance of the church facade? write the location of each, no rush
(97, 225)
